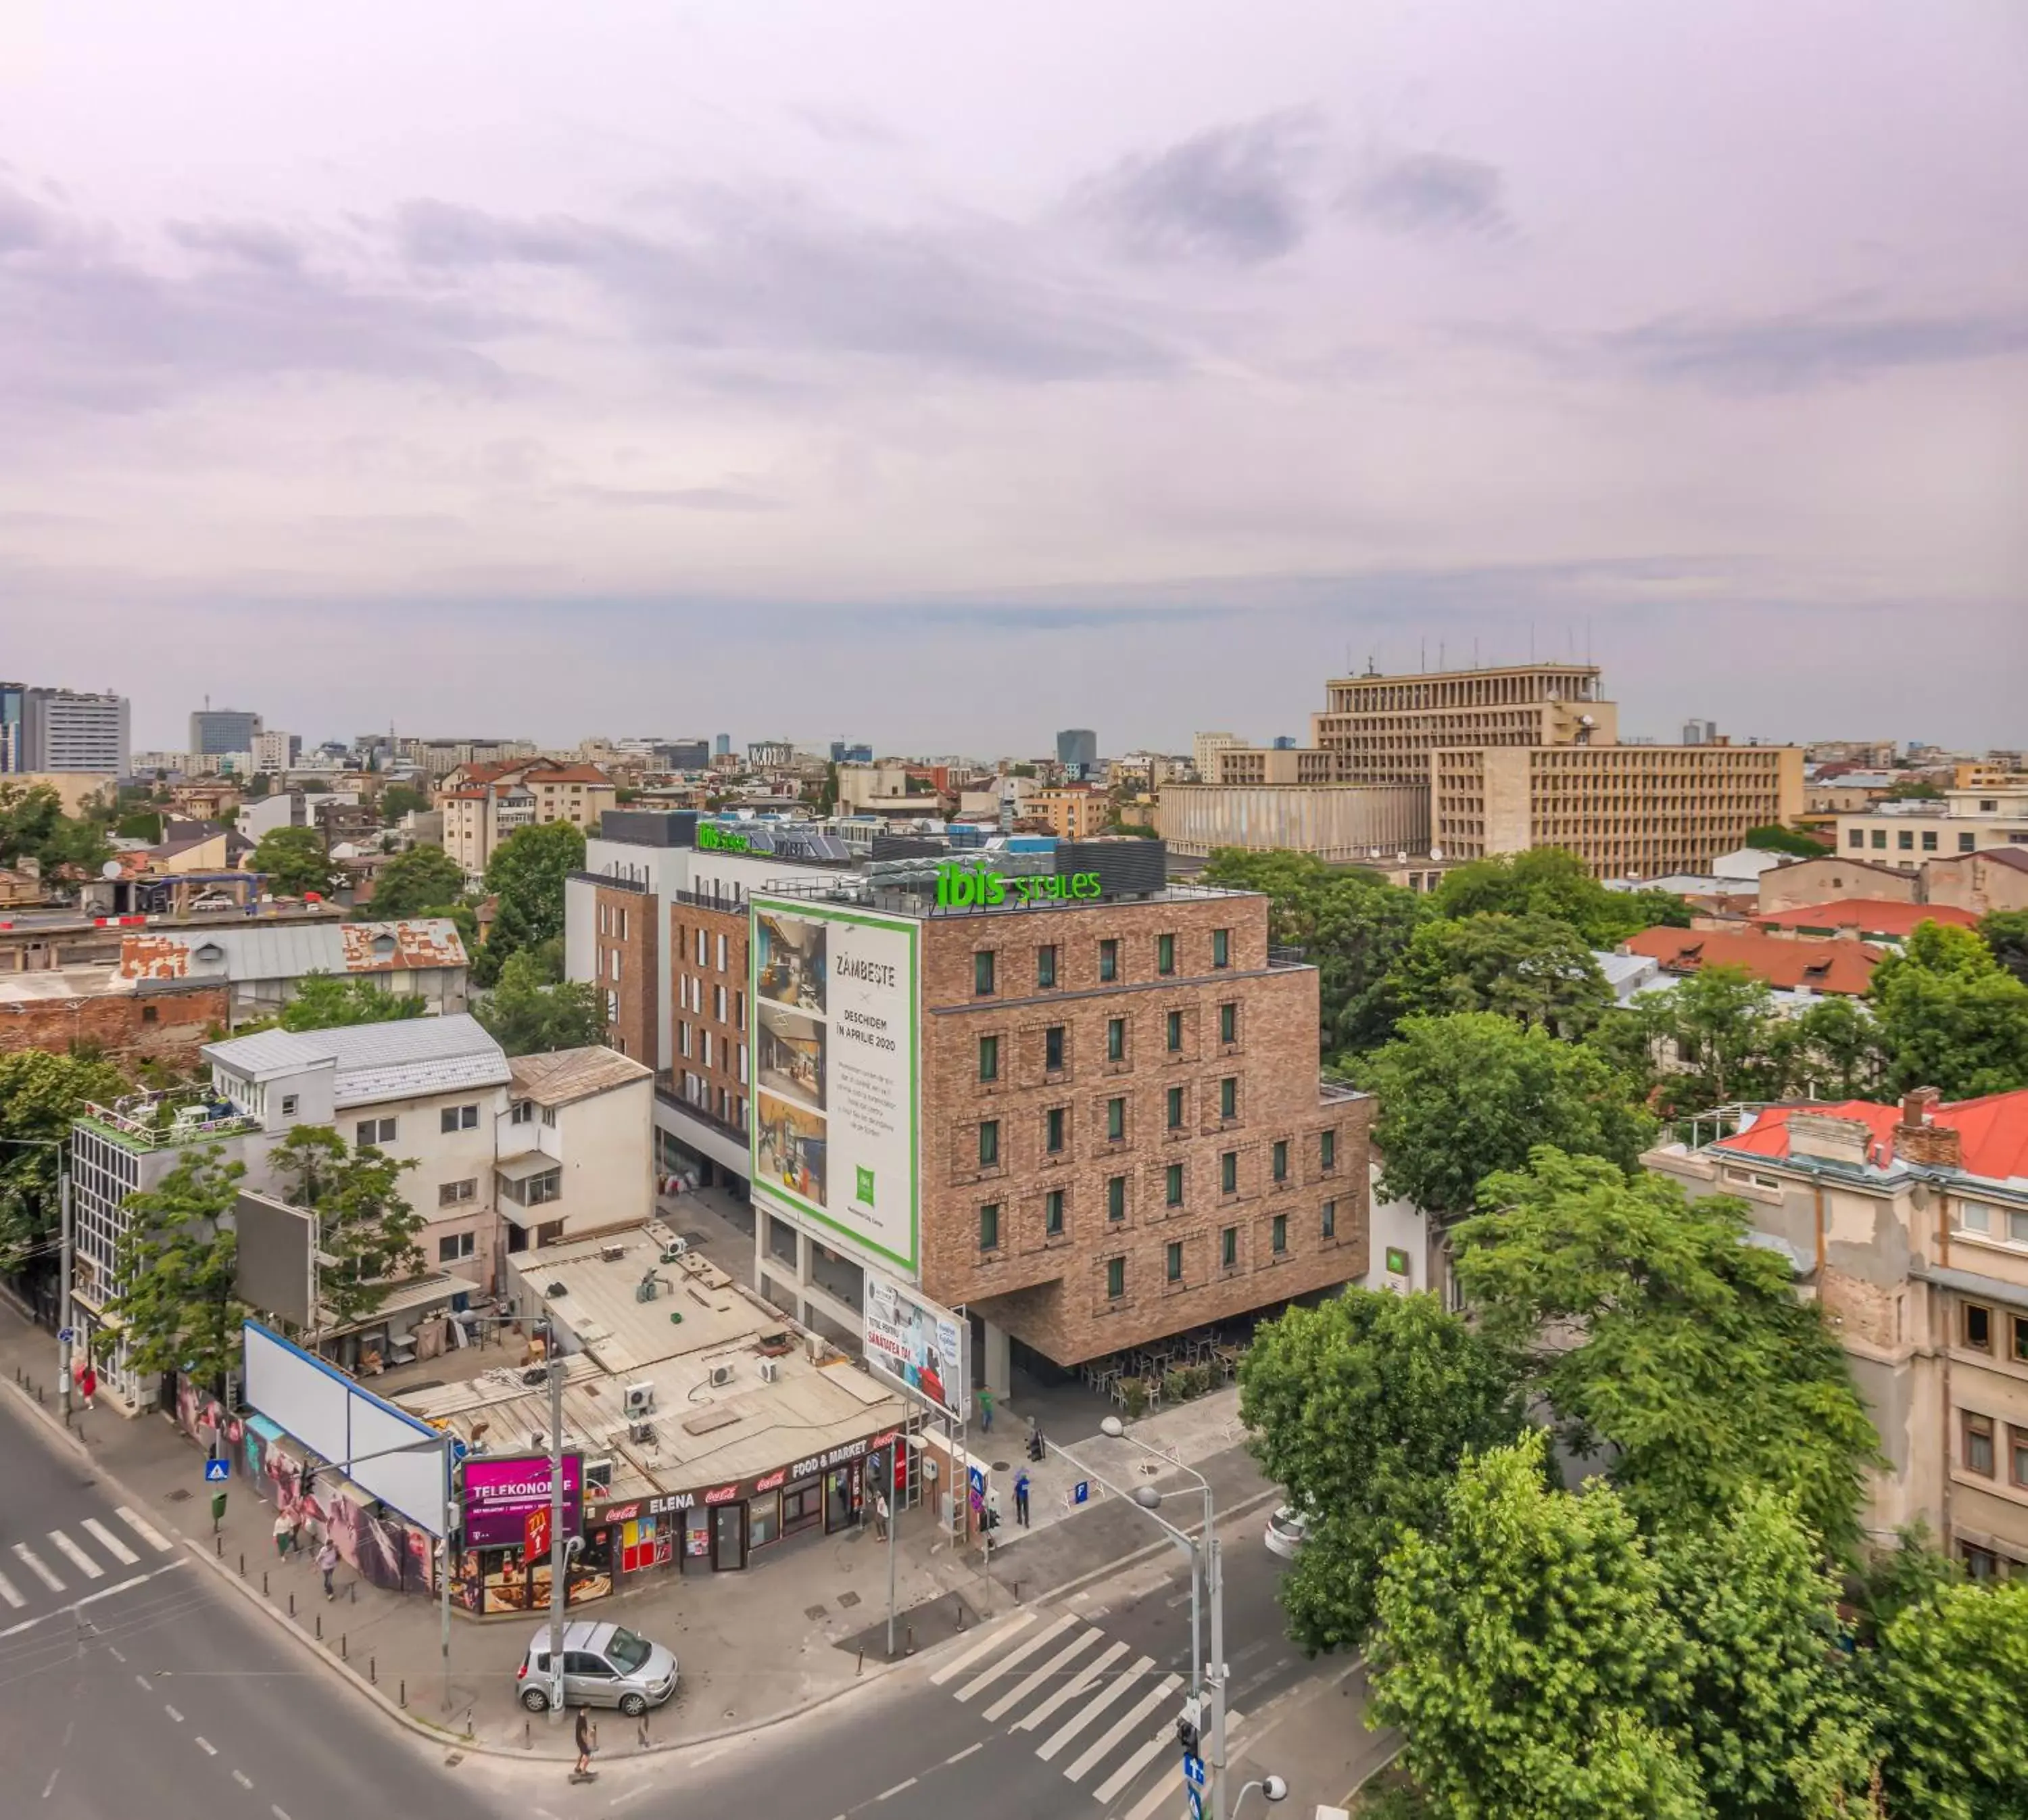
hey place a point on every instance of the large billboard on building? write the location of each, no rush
(917, 1344)
(499, 1493)
(835, 994)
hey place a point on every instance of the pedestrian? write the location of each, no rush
(87, 1382)
(880, 1516)
(587, 1740)
(985, 1410)
(1021, 1498)
(285, 1534)
(327, 1561)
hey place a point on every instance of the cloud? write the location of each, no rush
(1234, 194)
(1805, 348)
(247, 242)
(678, 498)
(1430, 193)
(841, 123)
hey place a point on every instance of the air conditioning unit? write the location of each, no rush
(641, 1433)
(813, 1343)
(637, 1400)
(674, 1248)
(770, 1369)
(611, 1254)
(721, 1375)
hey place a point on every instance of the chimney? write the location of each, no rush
(1917, 1104)
(1919, 1139)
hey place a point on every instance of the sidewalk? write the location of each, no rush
(756, 1647)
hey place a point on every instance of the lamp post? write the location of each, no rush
(62, 1146)
(1273, 1786)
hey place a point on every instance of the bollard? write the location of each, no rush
(860, 1667)
(960, 1614)
(527, 1739)
(405, 1690)
(1017, 1591)
(319, 1627)
(264, 1582)
(243, 1563)
(641, 1739)
(344, 1652)
(911, 1649)
(354, 1592)
(373, 1669)
(218, 1545)
(292, 1604)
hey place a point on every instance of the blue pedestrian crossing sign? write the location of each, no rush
(1196, 1803)
(1193, 1771)
(217, 1469)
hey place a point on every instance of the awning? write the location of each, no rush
(520, 1168)
(423, 1293)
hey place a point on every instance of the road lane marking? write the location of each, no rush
(952, 1669)
(114, 1653)
(206, 1746)
(51, 1783)
(145, 1530)
(1136, 1715)
(896, 1789)
(962, 1754)
(1165, 1739)
(1034, 1678)
(1092, 1707)
(109, 1542)
(173, 1714)
(76, 1556)
(148, 1686)
(1074, 1686)
(276, 1812)
(986, 1676)
(239, 1776)
(89, 1599)
(7, 1592)
(33, 1562)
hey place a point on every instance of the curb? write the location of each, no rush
(1092, 1576)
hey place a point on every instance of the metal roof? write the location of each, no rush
(561, 1076)
(289, 951)
(400, 1060)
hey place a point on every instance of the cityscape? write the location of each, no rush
(1425, 1219)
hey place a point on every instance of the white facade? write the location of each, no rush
(64, 730)
(1907, 835)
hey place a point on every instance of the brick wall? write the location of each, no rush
(1050, 1289)
(708, 989)
(624, 953)
(169, 1026)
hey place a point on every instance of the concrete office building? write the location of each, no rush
(1276, 763)
(1077, 751)
(1384, 729)
(1339, 822)
(214, 731)
(13, 704)
(65, 730)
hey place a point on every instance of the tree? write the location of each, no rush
(1363, 1407)
(1775, 838)
(325, 1000)
(411, 882)
(1949, 1016)
(174, 1267)
(1463, 1096)
(293, 860)
(34, 826)
(1548, 882)
(1725, 1030)
(258, 784)
(398, 799)
(1832, 1052)
(40, 1094)
(364, 1225)
(527, 875)
(1536, 970)
(1913, 790)
(1524, 1650)
(1699, 1368)
(2006, 933)
(527, 1016)
(140, 825)
(827, 796)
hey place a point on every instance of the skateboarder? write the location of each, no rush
(587, 1740)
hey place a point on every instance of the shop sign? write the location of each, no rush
(499, 1494)
(668, 1504)
(965, 884)
(710, 837)
(824, 1462)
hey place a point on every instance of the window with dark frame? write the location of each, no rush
(988, 1142)
(1228, 1096)
(1176, 1261)
(2017, 1456)
(989, 1058)
(1280, 1157)
(1327, 1150)
(1052, 1214)
(1116, 1278)
(1977, 1327)
(1278, 1235)
(2021, 1338)
(1327, 1221)
(981, 973)
(989, 1227)
(1046, 966)
(1175, 1108)
(1052, 1131)
(1174, 1184)
(1175, 1031)
(1116, 1197)
(1977, 1443)
(1228, 1247)
(1228, 1023)
(1165, 954)
(1052, 1050)
(1228, 1172)
(1109, 959)
(1115, 1119)
(1221, 947)
(1116, 1039)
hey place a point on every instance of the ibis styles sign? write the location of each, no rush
(709, 837)
(962, 886)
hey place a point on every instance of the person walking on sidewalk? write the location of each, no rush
(327, 1562)
(986, 1410)
(587, 1739)
(87, 1382)
(285, 1534)
(880, 1516)
(1021, 1498)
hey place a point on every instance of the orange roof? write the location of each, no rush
(1837, 966)
(1992, 1132)
(567, 774)
(1870, 915)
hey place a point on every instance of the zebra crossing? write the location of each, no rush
(58, 1561)
(1101, 1712)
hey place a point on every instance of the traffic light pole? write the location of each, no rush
(558, 1558)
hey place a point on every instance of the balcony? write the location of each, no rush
(164, 1121)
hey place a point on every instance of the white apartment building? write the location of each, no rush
(1907, 835)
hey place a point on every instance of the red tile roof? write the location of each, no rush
(1870, 915)
(1992, 1131)
(1835, 966)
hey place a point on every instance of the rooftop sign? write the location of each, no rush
(711, 836)
(966, 884)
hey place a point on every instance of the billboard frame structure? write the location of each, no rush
(891, 1365)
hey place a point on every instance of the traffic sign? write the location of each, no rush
(66, 1335)
(1193, 1771)
(217, 1470)
(1197, 1804)
(537, 1532)
(458, 1449)
(1081, 1492)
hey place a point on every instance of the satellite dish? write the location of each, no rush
(110, 870)
(1436, 852)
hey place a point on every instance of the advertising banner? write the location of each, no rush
(918, 1345)
(835, 994)
(500, 1494)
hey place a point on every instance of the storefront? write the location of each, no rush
(719, 1529)
(495, 1574)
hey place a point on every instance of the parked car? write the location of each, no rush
(1286, 1529)
(604, 1665)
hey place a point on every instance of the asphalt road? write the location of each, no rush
(133, 1686)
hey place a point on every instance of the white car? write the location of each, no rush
(1286, 1529)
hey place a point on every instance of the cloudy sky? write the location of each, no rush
(943, 376)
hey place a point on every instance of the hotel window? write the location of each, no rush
(1279, 1235)
(988, 1142)
(1228, 1097)
(1115, 1120)
(1109, 959)
(1173, 1186)
(1116, 1039)
(451, 1193)
(1977, 1327)
(1046, 966)
(1228, 1247)
(1228, 1023)
(1052, 1050)
(1327, 1151)
(1175, 1108)
(989, 1227)
(1052, 1214)
(1116, 1278)
(1174, 1263)
(1175, 1031)
(1052, 1131)
(1165, 954)
(1977, 1443)
(981, 973)
(1328, 1223)
(1116, 1197)
(1228, 1172)
(989, 1058)
(459, 1119)
(1281, 1159)
(1221, 947)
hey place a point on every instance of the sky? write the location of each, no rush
(941, 376)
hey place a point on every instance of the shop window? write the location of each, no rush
(1052, 1131)
(1173, 1261)
(989, 1227)
(1278, 1235)
(1977, 1327)
(1977, 1443)
(1280, 1155)
(989, 1058)
(1115, 1205)
(1327, 1222)
(1046, 966)
(1228, 1023)
(1116, 1039)
(1052, 1214)
(1173, 1186)
(1175, 1108)
(1108, 959)
(1228, 1097)
(1221, 947)
(981, 973)
(1175, 1032)
(989, 1143)
(1228, 1247)
(1115, 1120)
(1165, 954)
(1116, 1278)
(1052, 1050)
(1228, 1172)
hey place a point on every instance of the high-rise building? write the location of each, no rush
(13, 700)
(218, 730)
(1204, 748)
(1384, 728)
(1700, 732)
(721, 746)
(276, 751)
(67, 729)
(1077, 751)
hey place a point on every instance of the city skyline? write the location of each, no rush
(1235, 350)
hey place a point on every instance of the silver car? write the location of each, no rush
(1287, 1530)
(603, 1665)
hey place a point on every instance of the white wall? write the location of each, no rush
(1402, 1225)
(606, 1144)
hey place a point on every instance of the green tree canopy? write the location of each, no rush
(324, 1000)
(1536, 970)
(1715, 1035)
(1549, 881)
(174, 1267)
(1524, 1650)
(1949, 1016)
(40, 1094)
(398, 799)
(1833, 1051)
(34, 826)
(2006, 933)
(526, 875)
(410, 884)
(293, 860)
(1462, 1097)
(363, 1223)
(1700, 1369)
(1363, 1407)
(1775, 838)
(526, 1015)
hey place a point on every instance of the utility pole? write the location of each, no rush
(1214, 1597)
(558, 1555)
(63, 1289)
(892, 1493)
(443, 1565)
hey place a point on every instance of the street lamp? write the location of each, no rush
(1273, 1786)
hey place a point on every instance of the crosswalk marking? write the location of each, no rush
(76, 1556)
(1029, 1682)
(109, 1542)
(145, 1530)
(1073, 1686)
(28, 1559)
(951, 1670)
(7, 1592)
(1164, 1739)
(1134, 1715)
(1014, 1659)
(1092, 1708)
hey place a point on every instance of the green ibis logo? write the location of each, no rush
(967, 885)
